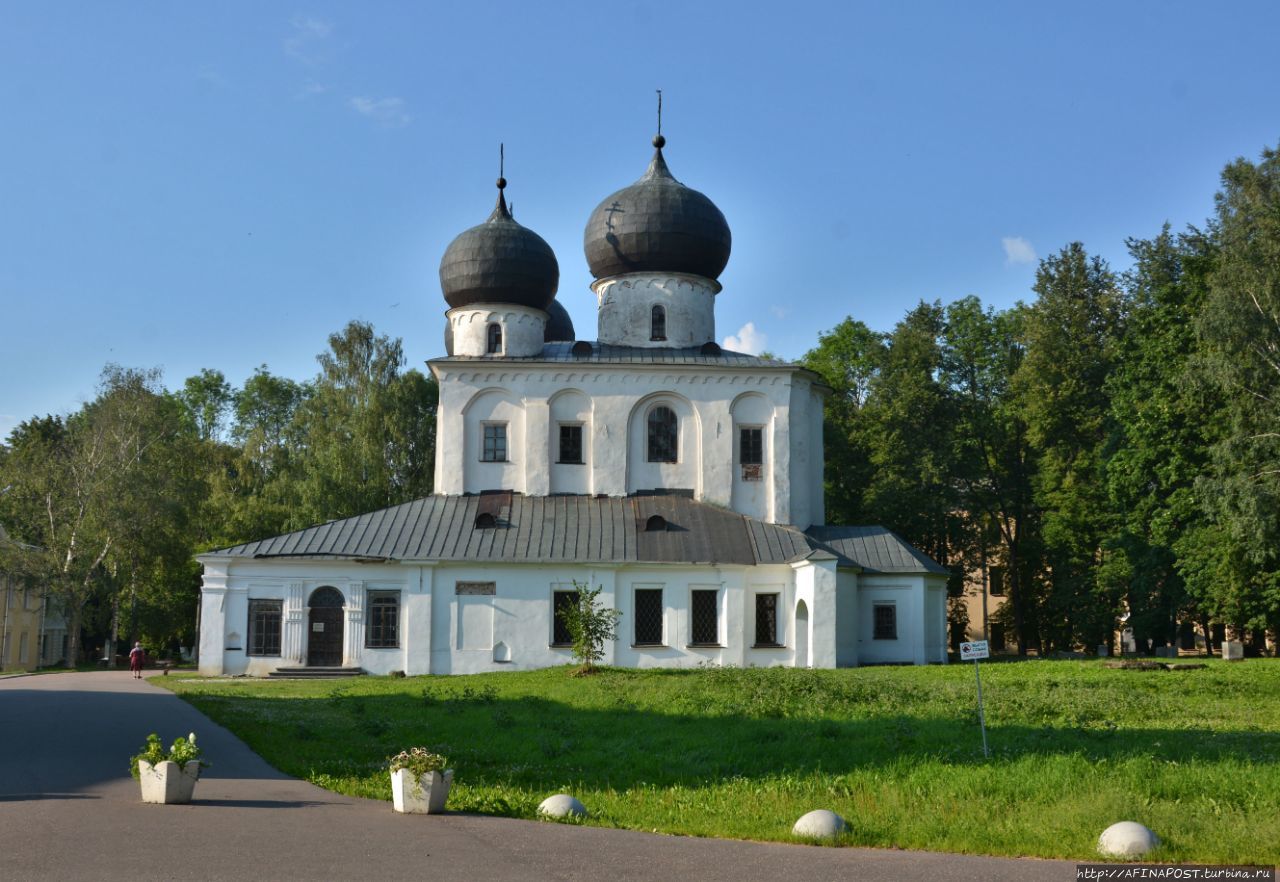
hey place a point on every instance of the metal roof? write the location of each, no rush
(657, 225)
(875, 549)
(580, 529)
(605, 353)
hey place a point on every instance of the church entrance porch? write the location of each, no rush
(325, 628)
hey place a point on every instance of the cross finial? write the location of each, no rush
(658, 140)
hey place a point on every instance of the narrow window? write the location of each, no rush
(886, 621)
(705, 619)
(766, 620)
(751, 453)
(560, 601)
(570, 444)
(264, 627)
(995, 581)
(658, 324)
(383, 630)
(662, 435)
(997, 638)
(494, 339)
(495, 443)
(648, 617)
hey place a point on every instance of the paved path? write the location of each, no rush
(69, 810)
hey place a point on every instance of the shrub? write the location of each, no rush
(589, 625)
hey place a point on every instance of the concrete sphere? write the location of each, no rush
(819, 824)
(1126, 839)
(562, 805)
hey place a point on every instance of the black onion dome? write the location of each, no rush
(657, 225)
(559, 325)
(499, 261)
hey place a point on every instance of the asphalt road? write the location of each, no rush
(70, 811)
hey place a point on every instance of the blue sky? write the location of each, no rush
(223, 185)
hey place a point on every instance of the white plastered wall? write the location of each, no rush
(529, 391)
(522, 329)
(625, 308)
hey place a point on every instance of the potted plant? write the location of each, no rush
(419, 781)
(168, 778)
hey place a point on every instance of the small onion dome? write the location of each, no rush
(559, 325)
(657, 225)
(499, 261)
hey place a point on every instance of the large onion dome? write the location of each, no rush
(657, 225)
(559, 325)
(499, 261)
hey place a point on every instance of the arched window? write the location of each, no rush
(662, 435)
(658, 324)
(494, 346)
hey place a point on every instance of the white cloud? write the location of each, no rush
(308, 39)
(388, 111)
(779, 312)
(312, 88)
(1017, 250)
(747, 340)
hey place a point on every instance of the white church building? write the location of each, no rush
(683, 480)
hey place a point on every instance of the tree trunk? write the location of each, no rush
(114, 643)
(73, 633)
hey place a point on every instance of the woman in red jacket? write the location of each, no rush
(137, 656)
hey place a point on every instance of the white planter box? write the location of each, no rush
(422, 797)
(167, 783)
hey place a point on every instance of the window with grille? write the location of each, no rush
(995, 581)
(570, 444)
(658, 324)
(383, 630)
(766, 620)
(648, 617)
(264, 627)
(885, 616)
(495, 443)
(494, 339)
(662, 435)
(705, 619)
(751, 453)
(560, 601)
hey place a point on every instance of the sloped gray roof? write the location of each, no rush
(580, 529)
(875, 549)
(607, 353)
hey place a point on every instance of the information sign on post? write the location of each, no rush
(975, 650)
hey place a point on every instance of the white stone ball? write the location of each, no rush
(1126, 839)
(562, 805)
(819, 824)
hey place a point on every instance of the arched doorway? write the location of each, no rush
(802, 635)
(325, 628)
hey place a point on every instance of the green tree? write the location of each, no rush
(589, 625)
(994, 461)
(847, 358)
(368, 428)
(1239, 358)
(1159, 432)
(1070, 334)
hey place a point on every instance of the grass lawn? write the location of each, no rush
(743, 753)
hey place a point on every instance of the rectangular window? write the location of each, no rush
(570, 444)
(264, 627)
(383, 630)
(495, 443)
(560, 601)
(648, 617)
(885, 621)
(751, 453)
(22, 648)
(705, 619)
(997, 638)
(767, 620)
(995, 581)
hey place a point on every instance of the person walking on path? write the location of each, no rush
(136, 657)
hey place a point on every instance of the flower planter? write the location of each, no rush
(167, 783)
(421, 796)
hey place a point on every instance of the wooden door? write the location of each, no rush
(324, 637)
